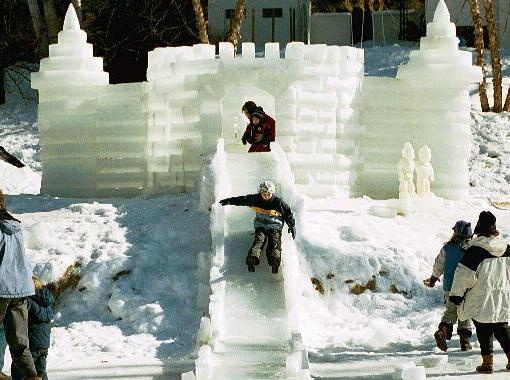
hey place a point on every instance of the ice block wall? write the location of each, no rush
(92, 134)
(175, 127)
(317, 119)
(313, 89)
(427, 104)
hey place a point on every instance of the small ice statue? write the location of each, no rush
(424, 172)
(405, 170)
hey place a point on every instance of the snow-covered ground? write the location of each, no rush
(134, 312)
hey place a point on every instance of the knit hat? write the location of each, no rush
(463, 229)
(486, 223)
(258, 113)
(267, 186)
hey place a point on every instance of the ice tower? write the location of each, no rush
(69, 82)
(445, 73)
(427, 104)
(92, 134)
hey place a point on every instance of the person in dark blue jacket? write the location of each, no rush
(271, 214)
(40, 314)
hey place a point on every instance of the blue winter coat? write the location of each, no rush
(15, 271)
(40, 314)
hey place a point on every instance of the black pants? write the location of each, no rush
(273, 250)
(39, 355)
(14, 314)
(486, 333)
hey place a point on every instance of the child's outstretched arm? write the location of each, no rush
(9, 158)
(243, 200)
(438, 268)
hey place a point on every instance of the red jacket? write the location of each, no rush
(272, 126)
(249, 136)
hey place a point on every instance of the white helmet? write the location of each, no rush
(267, 186)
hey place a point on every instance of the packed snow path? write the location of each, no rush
(254, 343)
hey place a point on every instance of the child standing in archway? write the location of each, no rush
(261, 130)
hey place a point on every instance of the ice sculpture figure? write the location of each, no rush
(405, 170)
(424, 172)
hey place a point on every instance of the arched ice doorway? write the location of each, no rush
(232, 118)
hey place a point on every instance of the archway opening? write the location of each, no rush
(232, 118)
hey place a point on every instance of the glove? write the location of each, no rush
(224, 202)
(243, 140)
(430, 282)
(457, 300)
(292, 231)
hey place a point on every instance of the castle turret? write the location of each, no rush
(428, 104)
(71, 61)
(69, 81)
(445, 73)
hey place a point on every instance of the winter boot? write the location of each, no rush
(443, 333)
(251, 261)
(464, 335)
(486, 366)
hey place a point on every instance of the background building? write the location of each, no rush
(265, 20)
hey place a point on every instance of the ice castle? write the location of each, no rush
(342, 132)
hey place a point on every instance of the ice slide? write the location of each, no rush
(254, 322)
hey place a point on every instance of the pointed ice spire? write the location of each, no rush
(441, 15)
(71, 21)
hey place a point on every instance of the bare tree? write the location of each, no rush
(480, 61)
(201, 23)
(39, 27)
(495, 57)
(3, 49)
(234, 33)
(52, 21)
(506, 107)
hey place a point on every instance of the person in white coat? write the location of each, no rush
(481, 289)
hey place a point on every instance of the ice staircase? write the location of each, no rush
(253, 315)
